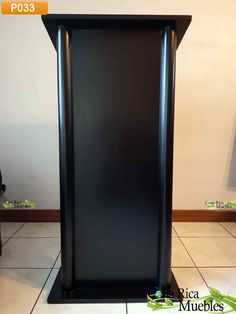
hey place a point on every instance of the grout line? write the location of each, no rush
(203, 267)
(227, 230)
(176, 236)
(216, 267)
(213, 237)
(173, 236)
(6, 241)
(14, 233)
(23, 224)
(44, 284)
(126, 307)
(25, 268)
(56, 261)
(202, 277)
(194, 262)
(175, 230)
(208, 237)
(36, 237)
(172, 267)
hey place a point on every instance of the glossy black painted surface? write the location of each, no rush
(116, 294)
(106, 21)
(66, 147)
(165, 154)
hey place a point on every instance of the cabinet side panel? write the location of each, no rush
(115, 99)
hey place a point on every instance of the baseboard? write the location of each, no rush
(204, 215)
(51, 215)
(30, 215)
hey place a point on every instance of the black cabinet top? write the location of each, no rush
(104, 21)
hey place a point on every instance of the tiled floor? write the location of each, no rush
(203, 255)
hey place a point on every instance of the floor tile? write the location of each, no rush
(30, 253)
(58, 262)
(33, 229)
(139, 308)
(180, 257)
(42, 307)
(200, 229)
(174, 234)
(20, 289)
(9, 228)
(190, 279)
(230, 226)
(207, 252)
(222, 279)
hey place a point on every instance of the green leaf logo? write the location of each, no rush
(215, 293)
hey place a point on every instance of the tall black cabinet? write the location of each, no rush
(116, 78)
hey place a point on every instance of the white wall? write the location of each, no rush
(205, 145)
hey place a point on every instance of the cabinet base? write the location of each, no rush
(108, 295)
